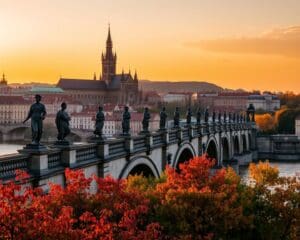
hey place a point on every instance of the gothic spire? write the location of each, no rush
(3, 80)
(108, 36)
(135, 76)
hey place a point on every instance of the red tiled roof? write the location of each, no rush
(10, 100)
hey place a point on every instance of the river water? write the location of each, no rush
(285, 168)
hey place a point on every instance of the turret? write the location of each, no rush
(3, 80)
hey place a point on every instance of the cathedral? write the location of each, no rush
(110, 87)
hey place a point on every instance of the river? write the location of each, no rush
(285, 168)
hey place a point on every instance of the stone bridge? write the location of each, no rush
(16, 132)
(13, 132)
(230, 142)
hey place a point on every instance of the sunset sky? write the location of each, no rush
(250, 44)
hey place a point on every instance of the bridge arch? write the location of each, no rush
(212, 149)
(140, 165)
(225, 149)
(184, 153)
(245, 145)
(236, 145)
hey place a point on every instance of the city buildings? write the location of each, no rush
(113, 121)
(238, 101)
(109, 87)
(173, 97)
(4, 88)
(13, 109)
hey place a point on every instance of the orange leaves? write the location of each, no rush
(75, 213)
(263, 173)
(193, 203)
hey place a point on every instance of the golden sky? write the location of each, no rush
(250, 44)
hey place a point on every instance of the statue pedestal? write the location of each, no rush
(62, 143)
(38, 158)
(34, 148)
(97, 139)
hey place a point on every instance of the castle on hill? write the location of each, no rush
(110, 87)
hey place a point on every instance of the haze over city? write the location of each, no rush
(251, 44)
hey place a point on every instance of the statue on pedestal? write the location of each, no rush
(214, 116)
(62, 122)
(176, 117)
(206, 115)
(189, 116)
(37, 113)
(100, 118)
(146, 120)
(126, 121)
(219, 117)
(198, 116)
(251, 113)
(163, 119)
(229, 117)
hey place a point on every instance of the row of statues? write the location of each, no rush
(37, 114)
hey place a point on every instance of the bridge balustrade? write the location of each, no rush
(10, 163)
(116, 148)
(54, 159)
(173, 136)
(158, 139)
(86, 153)
(185, 133)
(139, 143)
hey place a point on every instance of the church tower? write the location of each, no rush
(109, 60)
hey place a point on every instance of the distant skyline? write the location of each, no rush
(249, 44)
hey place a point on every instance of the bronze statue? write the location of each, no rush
(126, 121)
(37, 113)
(189, 116)
(62, 122)
(206, 115)
(176, 117)
(219, 117)
(214, 116)
(100, 118)
(198, 116)
(146, 120)
(251, 113)
(163, 119)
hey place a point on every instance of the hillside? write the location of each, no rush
(192, 86)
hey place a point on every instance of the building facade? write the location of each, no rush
(13, 109)
(238, 101)
(110, 87)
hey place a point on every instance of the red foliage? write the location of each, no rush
(75, 213)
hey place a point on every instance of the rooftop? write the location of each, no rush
(46, 90)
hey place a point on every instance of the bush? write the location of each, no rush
(192, 203)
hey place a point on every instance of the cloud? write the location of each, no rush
(279, 41)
